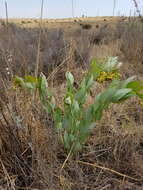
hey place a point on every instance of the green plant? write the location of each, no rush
(74, 121)
(107, 71)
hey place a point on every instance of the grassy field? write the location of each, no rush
(31, 154)
(64, 23)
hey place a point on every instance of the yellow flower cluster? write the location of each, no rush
(105, 76)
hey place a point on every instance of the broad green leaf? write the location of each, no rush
(121, 94)
(136, 86)
(70, 82)
(43, 86)
(125, 83)
(89, 82)
(83, 83)
(98, 113)
(107, 95)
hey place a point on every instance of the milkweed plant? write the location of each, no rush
(74, 121)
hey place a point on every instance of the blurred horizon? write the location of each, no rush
(63, 8)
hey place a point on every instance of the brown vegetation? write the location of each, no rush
(30, 155)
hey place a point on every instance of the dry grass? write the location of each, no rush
(30, 154)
